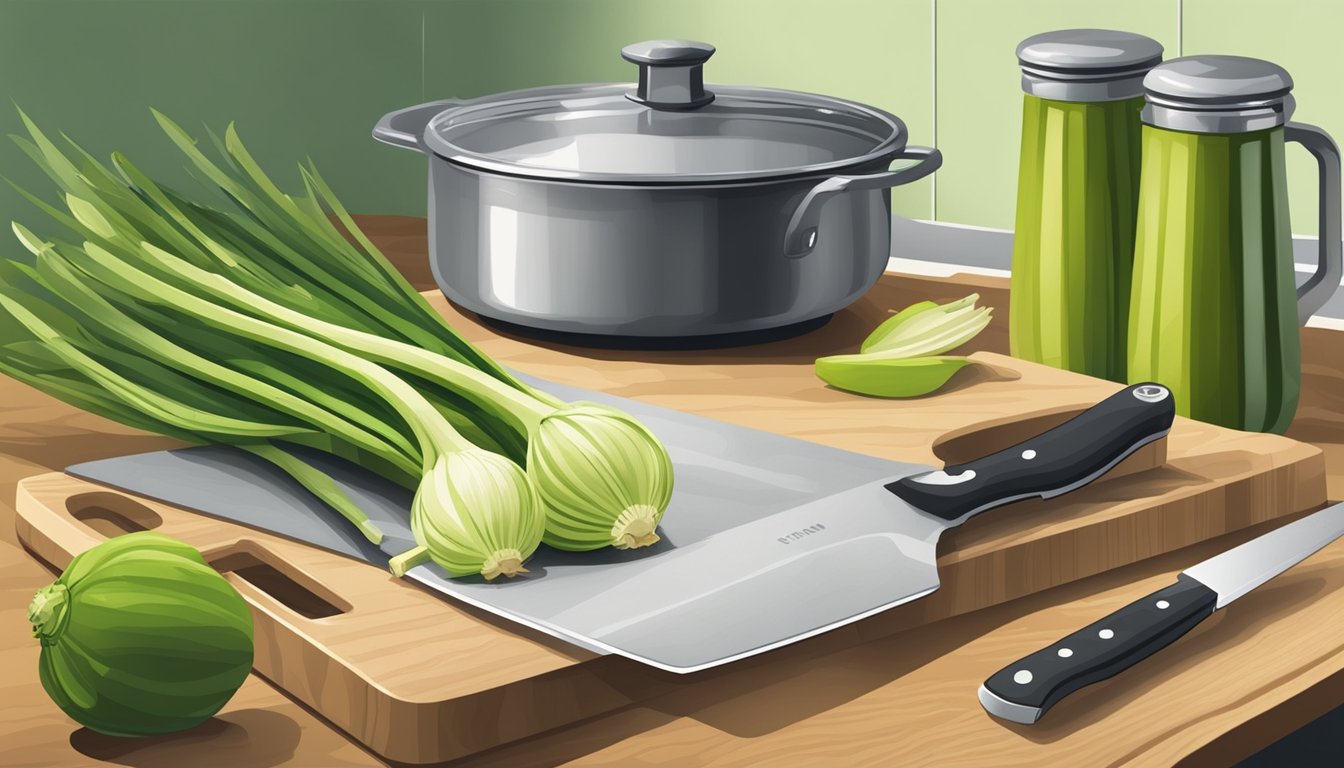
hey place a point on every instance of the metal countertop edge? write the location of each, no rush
(984, 248)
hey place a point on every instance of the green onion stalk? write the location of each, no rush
(41, 349)
(303, 225)
(603, 478)
(474, 511)
(321, 275)
(293, 236)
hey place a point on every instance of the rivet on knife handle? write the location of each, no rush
(1057, 461)
(1023, 691)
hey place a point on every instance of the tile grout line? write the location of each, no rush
(933, 98)
(1180, 27)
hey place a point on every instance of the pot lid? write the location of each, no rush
(667, 128)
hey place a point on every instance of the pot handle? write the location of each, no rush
(403, 127)
(1318, 289)
(801, 236)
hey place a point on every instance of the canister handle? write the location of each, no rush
(801, 235)
(1318, 288)
(404, 127)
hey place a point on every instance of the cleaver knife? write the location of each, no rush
(1026, 689)
(767, 540)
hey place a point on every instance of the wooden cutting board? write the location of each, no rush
(419, 679)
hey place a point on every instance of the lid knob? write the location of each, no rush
(671, 73)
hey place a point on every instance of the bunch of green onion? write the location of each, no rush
(268, 325)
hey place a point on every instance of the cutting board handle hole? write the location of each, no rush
(294, 590)
(111, 514)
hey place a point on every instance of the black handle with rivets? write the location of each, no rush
(1025, 690)
(1056, 461)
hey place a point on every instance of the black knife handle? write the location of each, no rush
(1056, 461)
(1023, 691)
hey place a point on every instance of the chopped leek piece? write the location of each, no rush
(903, 357)
(889, 377)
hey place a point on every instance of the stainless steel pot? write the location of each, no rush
(661, 209)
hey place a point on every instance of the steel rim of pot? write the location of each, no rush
(853, 143)
(434, 142)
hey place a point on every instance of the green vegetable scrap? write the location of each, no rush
(889, 377)
(140, 636)
(278, 323)
(903, 357)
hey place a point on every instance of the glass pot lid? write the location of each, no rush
(668, 128)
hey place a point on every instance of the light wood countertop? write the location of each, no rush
(1244, 679)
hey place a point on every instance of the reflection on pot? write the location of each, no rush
(664, 209)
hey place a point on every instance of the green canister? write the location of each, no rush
(1077, 191)
(1216, 308)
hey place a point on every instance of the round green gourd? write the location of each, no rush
(139, 636)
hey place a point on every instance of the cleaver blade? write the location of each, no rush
(768, 540)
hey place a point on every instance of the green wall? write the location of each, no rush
(310, 77)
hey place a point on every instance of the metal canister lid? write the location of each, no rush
(1218, 94)
(1087, 64)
